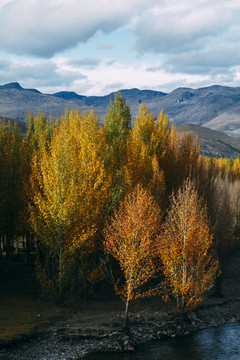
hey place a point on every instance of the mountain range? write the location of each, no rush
(215, 107)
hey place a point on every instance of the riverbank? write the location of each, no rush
(58, 342)
(96, 325)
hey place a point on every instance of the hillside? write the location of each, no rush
(216, 107)
(213, 143)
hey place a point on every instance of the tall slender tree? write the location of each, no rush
(117, 129)
(142, 165)
(189, 263)
(131, 237)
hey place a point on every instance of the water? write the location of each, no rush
(222, 343)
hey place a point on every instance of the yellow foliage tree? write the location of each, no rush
(189, 264)
(70, 190)
(142, 166)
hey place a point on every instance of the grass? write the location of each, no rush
(21, 310)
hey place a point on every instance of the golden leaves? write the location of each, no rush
(187, 254)
(131, 237)
(70, 186)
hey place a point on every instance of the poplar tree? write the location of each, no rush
(131, 237)
(189, 263)
(70, 190)
(142, 165)
(116, 130)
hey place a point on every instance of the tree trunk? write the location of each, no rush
(126, 316)
(60, 267)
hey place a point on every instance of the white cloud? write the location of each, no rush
(107, 78)
(212, 60)
(43, 28)
(179, 27)
(175, 43)
(40, 75)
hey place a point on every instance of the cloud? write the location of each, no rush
(177, 27)
(108, 78)
(38, 75)
(210, 61)
(105, 47)
(55, 75)
(84, 62)
(154, 68)
(46, 27)
(175, 44)
(4, 65)
(114, 87)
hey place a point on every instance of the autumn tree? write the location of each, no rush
(142, 166)
(131, 238)
(189, 264)
(70, 190)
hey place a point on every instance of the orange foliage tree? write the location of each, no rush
(189, 264)
(131, 237)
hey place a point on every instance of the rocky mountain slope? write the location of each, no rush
(213, 143)
(216, 107)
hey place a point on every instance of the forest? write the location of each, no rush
(137, 206)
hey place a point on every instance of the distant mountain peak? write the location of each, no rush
(68, 95)
(12, 85)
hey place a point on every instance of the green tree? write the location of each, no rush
(117, 129)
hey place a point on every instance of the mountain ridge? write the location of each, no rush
(213, 143)
(216, 107)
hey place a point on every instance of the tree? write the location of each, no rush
(186, 250)
(116, 130)
(223, 218)
(142, 166)
(214, 186)
(14, 172)
(131, 238)
(70, 191)
(39, 131)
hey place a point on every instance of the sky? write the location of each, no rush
(95, 47)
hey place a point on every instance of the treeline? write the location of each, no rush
(229, 168)
(66, 183)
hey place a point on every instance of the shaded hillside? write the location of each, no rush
(216, 107)
(213, 143)
(21, 124)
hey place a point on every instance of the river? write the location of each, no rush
(221, 343)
